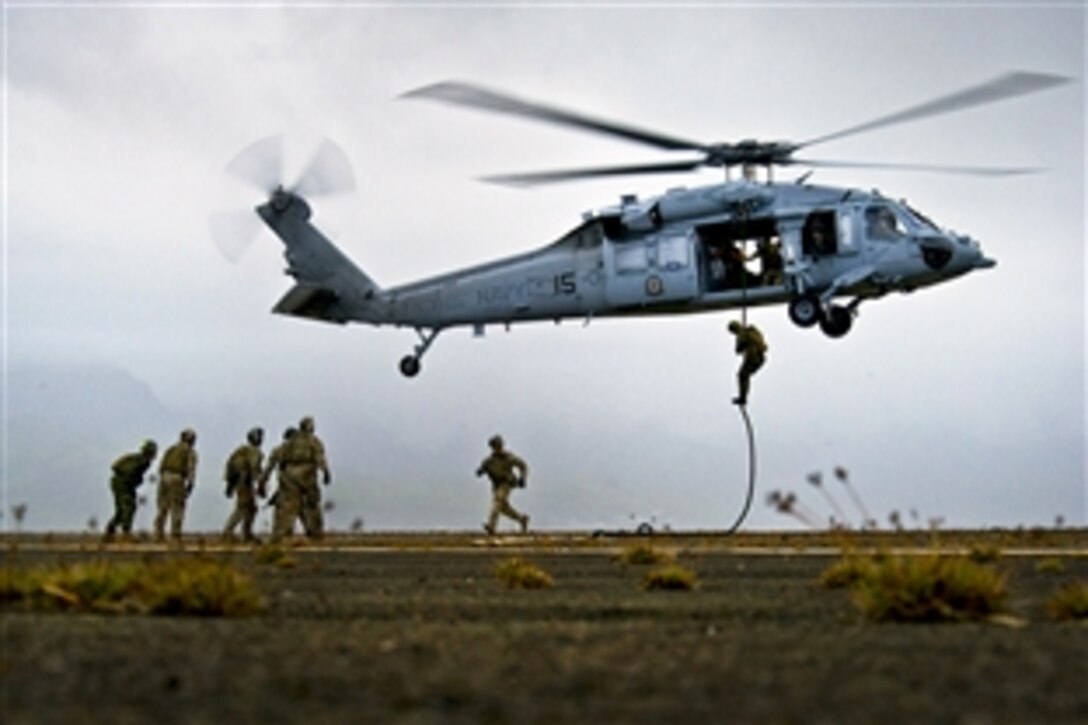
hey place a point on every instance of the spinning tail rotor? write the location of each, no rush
(261, 166)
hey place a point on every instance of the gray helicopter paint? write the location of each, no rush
(641, 257)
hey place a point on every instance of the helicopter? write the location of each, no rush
(742, 242)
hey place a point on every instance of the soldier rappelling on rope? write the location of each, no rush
(753, 351)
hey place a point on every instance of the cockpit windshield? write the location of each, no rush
(921, 219)
(881, 222)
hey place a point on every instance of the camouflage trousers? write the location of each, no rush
(171, 501)
(749, 366)
(124, 507)
(312, 518)
(500, 504)
(245, 512)
(288, 502)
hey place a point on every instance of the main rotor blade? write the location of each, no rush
(551, 177)
(472, 96)
(966, 170)
(329, 172)
(1009, 85)
(260, 164)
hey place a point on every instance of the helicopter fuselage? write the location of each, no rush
(690, 250)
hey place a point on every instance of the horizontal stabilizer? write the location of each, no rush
(315, 303)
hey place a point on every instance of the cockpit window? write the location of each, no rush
(922, 218)
(882, 223)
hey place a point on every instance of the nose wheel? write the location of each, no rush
(410, 365)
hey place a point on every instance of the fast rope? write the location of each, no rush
(747, 424)
(751, 472)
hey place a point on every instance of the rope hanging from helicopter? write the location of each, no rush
(743, 408)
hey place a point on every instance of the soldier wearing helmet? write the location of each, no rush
(177, 475)
(753, 350)
(244, 482)
(128, 475)
(507, 471)
(299, 495)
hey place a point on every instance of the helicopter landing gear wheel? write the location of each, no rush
(837, 321)
(410, 366)
(804, 311)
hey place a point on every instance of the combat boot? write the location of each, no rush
(525, 523)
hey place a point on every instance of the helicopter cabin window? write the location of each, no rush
(631, 258)
(881, 223)
(672, 253)
(818, 234)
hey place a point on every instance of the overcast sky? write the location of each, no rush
(964, 402)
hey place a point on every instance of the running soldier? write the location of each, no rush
(507, 472)
(244, 482)
(753, 348)
(177, 475)
(128, 475)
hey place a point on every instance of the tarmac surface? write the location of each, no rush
(416, 628)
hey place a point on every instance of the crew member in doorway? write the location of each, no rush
(753, 351)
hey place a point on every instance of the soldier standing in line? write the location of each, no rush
(281, 525)
(507, 472)
(128, 475)
(243, 477)
(753, 349)
(308, 452)
(177, 475)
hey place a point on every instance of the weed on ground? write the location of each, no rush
(516, 573)
(175, 587)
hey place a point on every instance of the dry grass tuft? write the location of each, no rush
(984, 554)
(274, 555)
(177, 587)
(929, 588)
(1069, 602)
(1050, 565)
(846, 572)
(516, 573)
(671, 577)
(644, 554)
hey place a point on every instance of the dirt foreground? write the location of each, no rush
(417, 629)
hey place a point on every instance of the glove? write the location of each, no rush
(188, 490)
(328, 478)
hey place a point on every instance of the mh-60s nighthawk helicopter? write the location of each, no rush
(727, 245)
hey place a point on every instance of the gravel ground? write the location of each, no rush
(418, 634)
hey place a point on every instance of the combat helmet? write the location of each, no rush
(255, 436)
(189, 436)
(495, 442)
(149, 447)
(306, 425)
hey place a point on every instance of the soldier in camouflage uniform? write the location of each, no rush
(753, 348)
(128, 475)
(244, 482)
(279, 498)
(177, 475)
(299, 496)
(506, 472)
